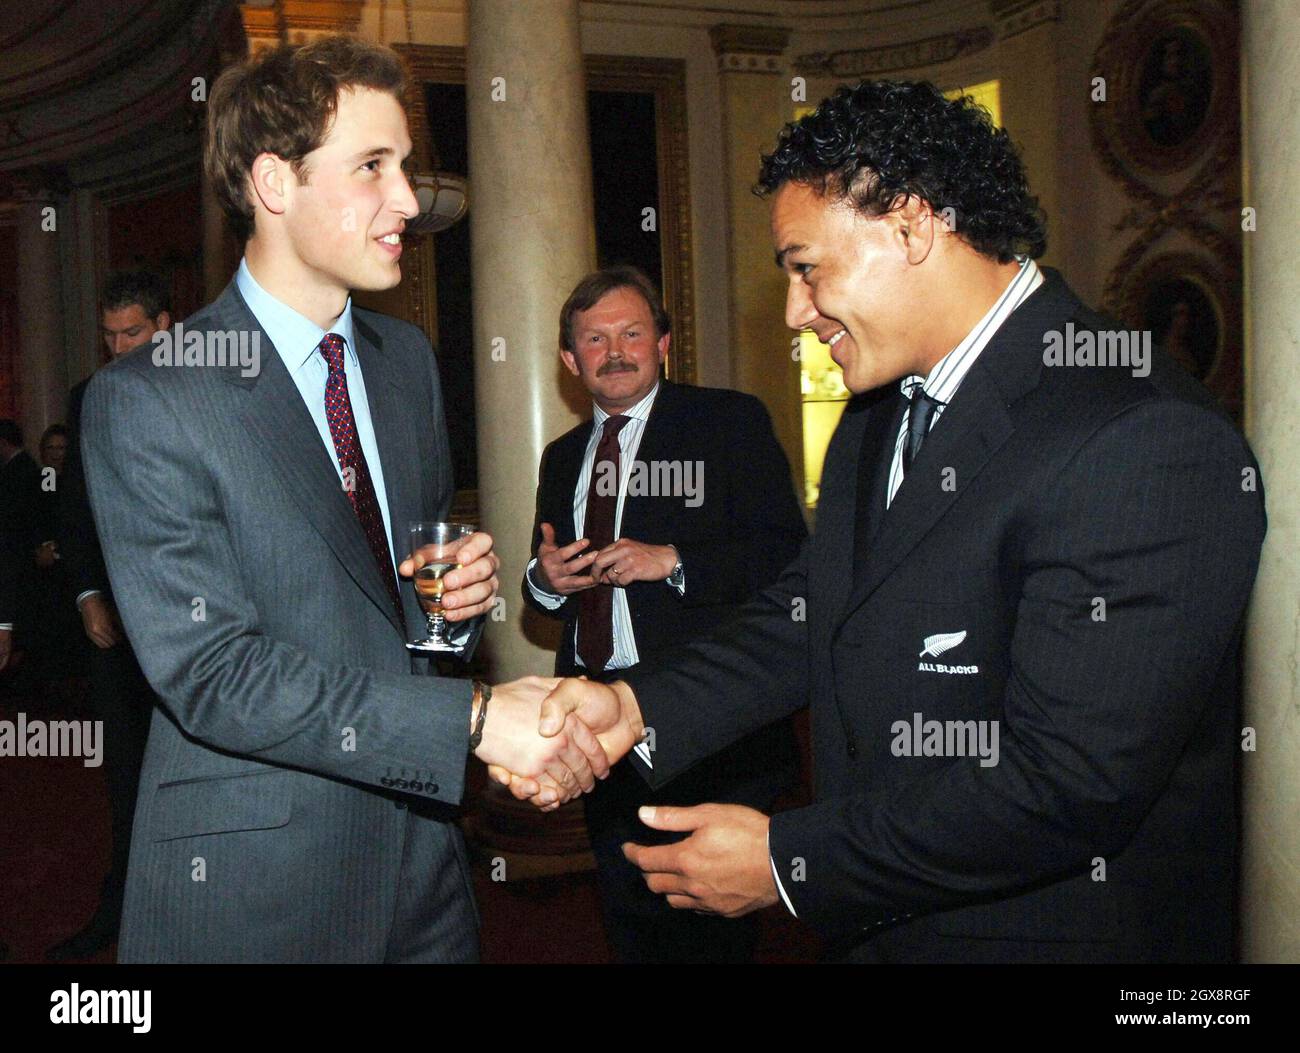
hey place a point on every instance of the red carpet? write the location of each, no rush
(54, 848)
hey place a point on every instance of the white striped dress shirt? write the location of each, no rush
(948, 373)
(629, 441)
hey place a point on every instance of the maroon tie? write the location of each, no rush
(361, 492)
(596, 605)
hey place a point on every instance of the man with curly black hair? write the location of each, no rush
(1017, 623)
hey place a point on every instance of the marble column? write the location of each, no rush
(42, 365)
(533, 237)
(1271, 789)
(756, 102)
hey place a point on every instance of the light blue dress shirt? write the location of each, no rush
(296, 341)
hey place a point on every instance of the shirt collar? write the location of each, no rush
(948, 373)
(295, 337)
(641, 411)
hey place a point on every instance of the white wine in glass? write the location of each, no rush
(433, 548)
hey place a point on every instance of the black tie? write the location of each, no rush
(919, 415)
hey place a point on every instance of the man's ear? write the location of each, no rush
(570, 361)
(268, 177)
(665, 342)
(916, 227)
(163, 321)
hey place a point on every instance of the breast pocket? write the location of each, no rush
(261, 800)
(940, 658)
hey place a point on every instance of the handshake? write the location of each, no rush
(549, 740)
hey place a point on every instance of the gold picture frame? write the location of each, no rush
(1170, 77)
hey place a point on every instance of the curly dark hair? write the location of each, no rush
(882, 142)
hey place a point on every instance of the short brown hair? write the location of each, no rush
(283, 101)
(596, 285)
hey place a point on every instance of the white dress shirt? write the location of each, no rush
(629, 441)
(948, 373)
(296, 339)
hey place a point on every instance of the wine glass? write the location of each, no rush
(433, 548)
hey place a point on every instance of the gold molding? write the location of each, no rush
(889, 58)
(273, 25)
(1016, 18)
(750, 49)
(755, 40)
(665, 79)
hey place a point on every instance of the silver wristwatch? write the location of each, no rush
(678, 577)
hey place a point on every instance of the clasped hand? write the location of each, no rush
(572, 568)
(721, 868)
(549, 740)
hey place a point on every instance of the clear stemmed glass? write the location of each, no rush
(433, 548)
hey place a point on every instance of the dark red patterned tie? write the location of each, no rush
(596, 605)
(361, 491)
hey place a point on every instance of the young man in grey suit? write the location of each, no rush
(1024, 596)
(253, 474)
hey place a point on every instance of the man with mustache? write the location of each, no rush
(634, 567)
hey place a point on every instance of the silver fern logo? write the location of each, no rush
(938, 643)
(941, 643)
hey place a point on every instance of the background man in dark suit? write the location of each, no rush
(253, 485)
(19, 485)
(134, 305)
(21, 531)
(655, 567)
(1058, 555)
(9, 564)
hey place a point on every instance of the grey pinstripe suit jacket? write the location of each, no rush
(267, 827)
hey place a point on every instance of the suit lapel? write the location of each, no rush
(638, 510)
(964, 439)
(839, 510)
(875, 458)
(283, 428)
(395, 438)
(562, 482)
(967, 436)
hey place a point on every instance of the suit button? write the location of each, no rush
(399, 805)
(431, 788)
